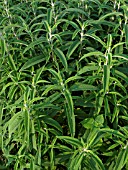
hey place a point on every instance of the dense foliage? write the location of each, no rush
(64, 84)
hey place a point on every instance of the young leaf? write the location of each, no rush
(49, 16)
(106, 77)
(126, 35)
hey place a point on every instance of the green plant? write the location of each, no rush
(63, 84)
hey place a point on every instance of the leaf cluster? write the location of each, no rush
(63, 84)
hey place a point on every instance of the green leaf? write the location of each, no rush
(121, 75)
(70, 140)
(123, 56)
(51, 87)
(97, 39)
(99, 120)
(114, 132)
(76, 161)
(6, 86)
(99, 103)
(126, 35)
(62, 57)
(106, 77)
(88, 123)
(34, 144)
(82, 87)
(14, 122)
(122, 158)
(55, 74)
(27, 125)
(76, 10)
(38, 74)
(110, 14)
(49, 16)
(97, 160)
(52, 122)
(31, 62)
(73, 78)
(95, 53)
(36, 42)
(11, 62)
(72, 48)
(70, 112)
(73, 24)
(47, 27)
(109, 42)
(86, 69)
(3, 47)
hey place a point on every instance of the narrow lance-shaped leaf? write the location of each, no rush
(96, 38)
(123, 56)
(99, 103)
(47, 27)
(14, 122)
(112, 131)
(97, 160)
(70, 140)
(95, 53)
(62, 57)
(82, 87)
(106, 77)
(109, 42)
(49, 16)
(126, 35)
(52, 122)
(73, 78)
(27, 125)
(76, 162)
(73, 24)
(11, 62)
(76, 10)
(110, 14)
(122, 158)
(33, 135)
(110, 59)
(3, 47)
(86, 69)
(56, 75)
(51, 87)
(72, 48)
(70, 112)
(38, 74)
(34, 43)
(31, 62)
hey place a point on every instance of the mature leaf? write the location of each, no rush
(82, 87)
(31, 62)
(62, 57)
(72, 48)
(70, 140)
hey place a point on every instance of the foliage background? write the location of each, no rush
(63, 84)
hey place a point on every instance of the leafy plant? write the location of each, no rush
(63, 84)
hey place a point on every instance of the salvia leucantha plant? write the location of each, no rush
(64, 84)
